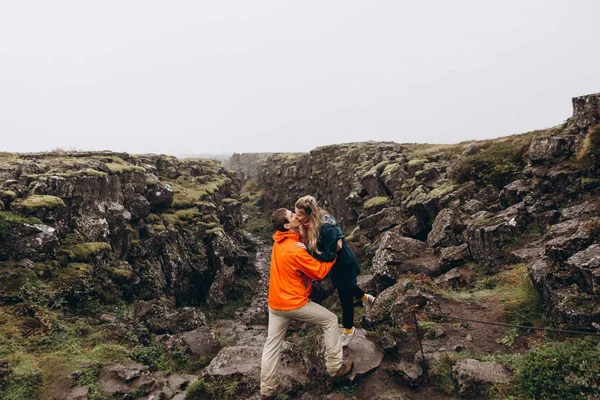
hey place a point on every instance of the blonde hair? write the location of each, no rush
(316, 218)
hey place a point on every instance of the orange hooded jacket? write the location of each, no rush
(292, 272)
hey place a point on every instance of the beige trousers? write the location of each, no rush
(278, 324)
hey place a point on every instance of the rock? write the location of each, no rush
(487, 234)
(586, 265)
(380, 222)
(161, 317)
(364, 353)
(569, 237)
(125, 377)
(451, 257)
(398, 255)
(201, 341)
(446, 230)
(138, 206)
(92, 228)
(160, 196)
(79, 393)
(586, 110)
(393, 304)
(474, 376)
(515, 192)
(545, 148)
(36, 242)
(411, 374)
(451, 278)
(242, 360)
(580, 211)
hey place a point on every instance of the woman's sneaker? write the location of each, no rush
(347, 337)
(369, 303)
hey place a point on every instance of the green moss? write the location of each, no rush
(187, 214)
(376, 169)
(158, 227)
(152, 218)
(120, 275)
(76, 271)
(590, 150)
(34, 202)
(84, 251)
(189, 191)
(150, 182)
(418, 162)
(7, 194)
(375, 201)
(9, 219)
(117, 168)
(441, 191)
(496, 164)
(83, 172)
(390, 169)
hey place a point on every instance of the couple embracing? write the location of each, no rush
(309, 245)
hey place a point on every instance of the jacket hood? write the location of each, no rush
(328, 219)
(279, 236)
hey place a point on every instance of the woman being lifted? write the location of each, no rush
(320, 233)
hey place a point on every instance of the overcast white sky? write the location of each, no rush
(180, 77)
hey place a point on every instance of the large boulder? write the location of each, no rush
(398, 255)
(160, 196)
(545, 148)
(394, 304)
(447, 229)
(37, 242)
(586, 110)
(489, 234)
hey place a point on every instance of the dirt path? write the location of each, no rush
(249, 324)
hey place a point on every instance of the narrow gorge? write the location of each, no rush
(145, 276)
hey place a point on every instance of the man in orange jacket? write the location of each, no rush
(290, 283)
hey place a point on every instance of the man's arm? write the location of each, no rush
(311, 267)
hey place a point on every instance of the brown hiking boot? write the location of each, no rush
(346, 367)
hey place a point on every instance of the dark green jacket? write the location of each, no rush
(346, 267)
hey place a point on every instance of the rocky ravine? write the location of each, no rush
(423, 209)
(462, 230)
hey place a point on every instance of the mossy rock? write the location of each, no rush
(159, 227)
(7, 194)
(418, 162)
(75, 272)
(9, 219)
(118, 169)
(84, 251)
(375, 201)
(36, 202)
(441, 191)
